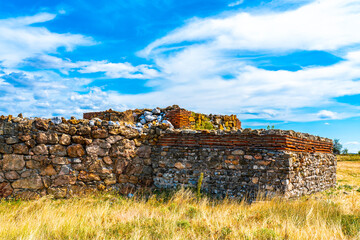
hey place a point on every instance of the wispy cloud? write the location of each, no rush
(325, 114)
(197, 66)
(233, 4)
(119, 70)
(109, 69)
(321, 25)
(20, 40)
(197, 56)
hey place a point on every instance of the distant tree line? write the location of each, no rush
(338, 148)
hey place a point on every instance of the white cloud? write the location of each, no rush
(233, 4)
(321, 25)
(20, 40)
(192, 75)
(111, 70)
(118, 70)
(352, 143)
(325, 114)
(194, 58)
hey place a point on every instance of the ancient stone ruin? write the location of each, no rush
(145, 149)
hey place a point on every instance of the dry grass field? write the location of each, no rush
(348, 157)
(334, 214)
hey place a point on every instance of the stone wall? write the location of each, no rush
(242, 164)
(38, 157)
(71, 157)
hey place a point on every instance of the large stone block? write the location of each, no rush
(40, 150)
(4, 148)
(5, 190)
(75, 151)
(97, 150)
(100, 133)
(21, 148)
(29, 183)
(65, 140)
(57, 150)
(13, 162)
(64, 180)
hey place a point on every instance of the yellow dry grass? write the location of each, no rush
(348, 157)
(334, 214)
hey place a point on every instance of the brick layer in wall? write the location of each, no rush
(179, 118)
(274, 142)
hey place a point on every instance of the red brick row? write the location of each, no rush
(275, 142)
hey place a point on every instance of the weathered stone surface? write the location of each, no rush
(5, 190)
(248, 157)
(58, 150)
(75, 151)
(179, 165)
(31, 143)
(41, 138)
(27, 195)
(99, 133)
(64, 180)
(12, 140)
(120, 165)
(40, 150)
(129, 133)
(60, 160)
(58, 192)
(96, 150)
(107, 160)
(12, 175)
(24, 137)
(41, 124)
(110, 180)
(238, 152)
(84, 131)
(28, 173)
(78, 139)
(144, 151)
(72, 131)
(48, 171)
(88, 177)
(13, 162)
(114, 139)
(133, 169)
(147, 161)
(29, 183)
(53, 138)
(65, 140)
(63, 128)
(65, 170)
(21, 148)
(4, 148)
(31, 164)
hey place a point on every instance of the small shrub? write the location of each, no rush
(173, 207)
(208, 125)
(350, 225)
(183, 224)
(265, 234)
(192, 212)
(225, 232)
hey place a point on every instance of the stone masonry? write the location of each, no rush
(73, 157)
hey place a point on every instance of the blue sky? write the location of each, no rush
(292, 64)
